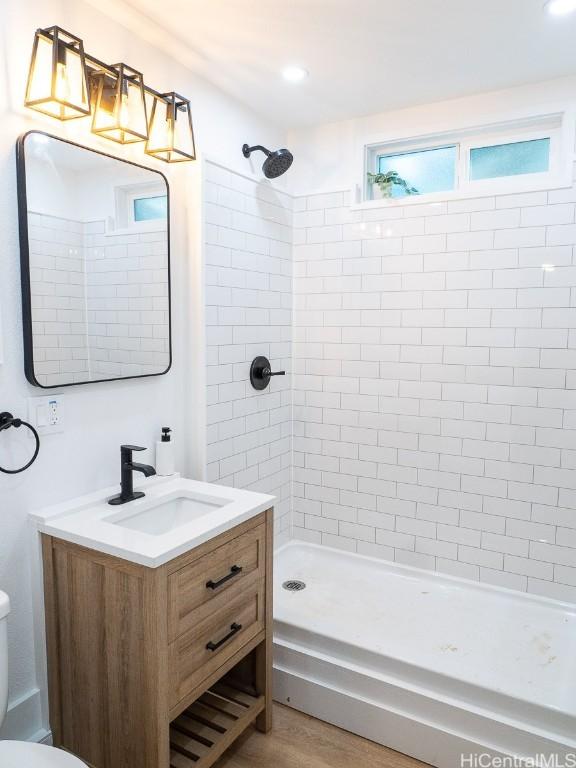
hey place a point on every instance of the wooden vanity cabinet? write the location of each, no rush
(159, 667)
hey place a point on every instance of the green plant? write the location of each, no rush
(386, 181)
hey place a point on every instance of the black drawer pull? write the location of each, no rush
(234, 628)
(234, 571)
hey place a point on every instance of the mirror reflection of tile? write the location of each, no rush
(98, 275)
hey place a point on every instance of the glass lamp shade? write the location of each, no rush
(170, 134)
(120, 105)
(57, 78)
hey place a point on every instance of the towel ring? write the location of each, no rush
(7, 421)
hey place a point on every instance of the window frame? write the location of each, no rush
(125, 196)
(558, 126)
(412, 150)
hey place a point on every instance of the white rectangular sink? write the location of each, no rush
(174, 516)
(168, 515)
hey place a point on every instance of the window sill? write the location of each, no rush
(137, 229)
(496, 189)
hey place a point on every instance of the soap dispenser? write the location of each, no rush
(165, 463)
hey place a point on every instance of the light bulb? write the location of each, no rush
(294, 74)
(560, 7)
(124, 116)
(62, 83)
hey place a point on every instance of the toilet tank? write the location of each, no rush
(4, 611)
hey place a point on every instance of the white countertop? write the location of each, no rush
(91, 522)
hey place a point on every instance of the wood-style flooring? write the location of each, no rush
(300, 741)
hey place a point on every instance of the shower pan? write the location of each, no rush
(431, 665)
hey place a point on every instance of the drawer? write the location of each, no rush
(202, 650)
(209, 583)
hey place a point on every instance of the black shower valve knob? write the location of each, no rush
(261, 372)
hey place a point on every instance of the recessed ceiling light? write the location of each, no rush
(294, 74)
(560, 7)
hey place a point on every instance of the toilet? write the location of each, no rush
(23, 754)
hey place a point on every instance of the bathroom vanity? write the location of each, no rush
(159, 623)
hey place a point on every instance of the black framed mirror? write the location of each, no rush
(95, 264)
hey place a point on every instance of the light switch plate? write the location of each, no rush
(47, 414)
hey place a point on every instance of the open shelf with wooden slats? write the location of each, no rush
(203, 731)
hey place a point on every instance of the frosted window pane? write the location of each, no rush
(510, 159)
(149, 208)
(428, 170)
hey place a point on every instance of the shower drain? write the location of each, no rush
(294, 586)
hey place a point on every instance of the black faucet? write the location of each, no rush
(127, 492)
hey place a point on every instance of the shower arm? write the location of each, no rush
(247, 151)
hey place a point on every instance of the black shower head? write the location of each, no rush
(276, 162)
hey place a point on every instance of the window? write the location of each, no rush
(143, 207)
(427, 170)
(511, 159)
(503, 158)
(150, 208)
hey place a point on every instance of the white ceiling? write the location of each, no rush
(365, 56)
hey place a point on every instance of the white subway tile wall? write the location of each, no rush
(435, 385)
(58, 297)
(248, 279)
(99, 301)
(127, 302)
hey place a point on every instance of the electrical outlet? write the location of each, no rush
(46, 414)
(53, 413)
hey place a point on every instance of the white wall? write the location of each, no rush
(327, 156)
(98, 417)
(249, 313)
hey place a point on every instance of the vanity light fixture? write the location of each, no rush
(120, 105)
(57, 82)
(66, 82)
(170, 136)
